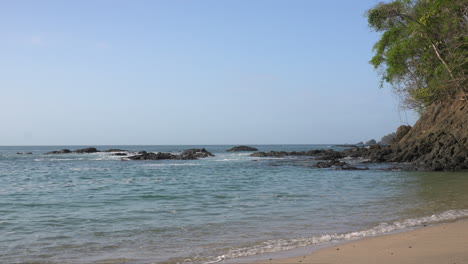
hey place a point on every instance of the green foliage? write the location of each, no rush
(422, 51)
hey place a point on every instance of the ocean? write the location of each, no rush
(96, 208)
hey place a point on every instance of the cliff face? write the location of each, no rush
(438, 140)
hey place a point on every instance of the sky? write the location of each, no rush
(164, 72)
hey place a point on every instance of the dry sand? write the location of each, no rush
(440, 244)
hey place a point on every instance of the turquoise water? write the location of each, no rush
(95, 208)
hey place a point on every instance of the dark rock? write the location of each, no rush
(86, 150)
(24, 153)
(242, 148)
(401, 132)
(115, 150)
(438, 141)
(392, 169)
(346, 146)
(371, 142)
(387, 139)
(120, 154)
(278, 154)
(62, 151)
(143, 155)
(328, 164)
(348, 167)
(330, 155)
(355, 152)
(191, 154)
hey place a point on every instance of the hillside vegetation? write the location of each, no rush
(422, 54)
(423, 48)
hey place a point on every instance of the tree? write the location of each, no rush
(423, 48)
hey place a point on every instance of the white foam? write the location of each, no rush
(56, 159)
(228, 160)
(170, 164)
(88, 169)
(272, 246)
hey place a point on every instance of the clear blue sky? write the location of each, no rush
(190, 72)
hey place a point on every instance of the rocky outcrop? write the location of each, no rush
(371, 142)
(438, 140)
(120, 154)
(387, 139)
(346, 146)
(242, 148)
(62, 151)
(115, 150)
(270, 154)
(189, 154)
(86, 150)
(66, 151)
(143, 155)
(24, 153)
(400, 133)
(330, 155)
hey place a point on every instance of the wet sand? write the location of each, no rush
(441, 244)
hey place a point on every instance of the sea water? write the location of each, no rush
(96, 208)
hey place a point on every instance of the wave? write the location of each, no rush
(228, 160)
(170, 164)
(89, 169)
(64, 159)
(272, 246)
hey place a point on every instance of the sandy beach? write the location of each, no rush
(440, 244)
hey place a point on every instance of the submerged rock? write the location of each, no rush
(349, 167)
(328, 164)
(242, 148)
(328, 153)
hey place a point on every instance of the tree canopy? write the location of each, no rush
(422, 51)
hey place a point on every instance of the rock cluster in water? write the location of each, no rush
(66, 151)
(189, 154)
(328, 158)
(242, 148)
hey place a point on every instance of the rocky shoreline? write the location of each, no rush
(189, 154)
(438, 141)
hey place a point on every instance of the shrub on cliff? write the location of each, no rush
(422, 52)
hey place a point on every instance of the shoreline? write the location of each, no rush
(435, 244)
